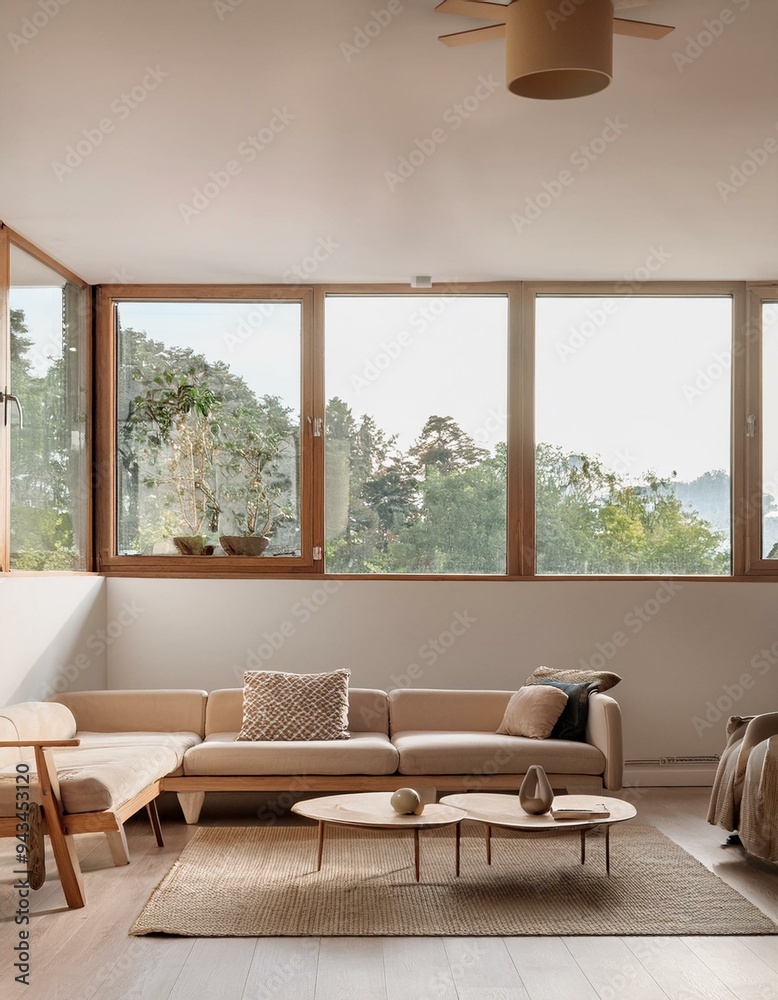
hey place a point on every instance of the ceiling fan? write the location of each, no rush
(555, 49)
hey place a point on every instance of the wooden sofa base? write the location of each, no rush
(191, 789)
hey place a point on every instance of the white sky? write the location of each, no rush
(635, 391)
(402, 359)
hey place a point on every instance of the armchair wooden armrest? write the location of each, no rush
(40, 743)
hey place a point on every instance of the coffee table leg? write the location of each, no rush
(583, 847)
(607, 850)
(416, 851)
(320, 850)
(488, 844)
(458, 842)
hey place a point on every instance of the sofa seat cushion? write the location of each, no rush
(95, 778)
(492, 753)
(223, 754)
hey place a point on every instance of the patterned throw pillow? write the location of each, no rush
(600, 680)
(285, 707)
(571, 724)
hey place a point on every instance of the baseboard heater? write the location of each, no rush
(673, 761)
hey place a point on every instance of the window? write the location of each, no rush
(48, 378)
(493, 430)
(633, 431)
(209, 429)
(416, 433)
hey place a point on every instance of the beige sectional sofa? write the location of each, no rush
(132, 745)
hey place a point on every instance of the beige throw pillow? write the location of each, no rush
(600, 680)
(533, 712)
(285, 707)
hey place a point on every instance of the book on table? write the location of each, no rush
(597, 811)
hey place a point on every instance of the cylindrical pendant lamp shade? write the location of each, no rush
(552, 55)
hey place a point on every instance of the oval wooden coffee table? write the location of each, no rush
(373, 809)
(501, 810)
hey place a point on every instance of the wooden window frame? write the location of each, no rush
(751, 513)
(109, 561)
(631, 288)
(520, 535)
(8, 239)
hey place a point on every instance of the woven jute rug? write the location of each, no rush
(262, 882)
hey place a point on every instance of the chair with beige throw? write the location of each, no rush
(745, 792)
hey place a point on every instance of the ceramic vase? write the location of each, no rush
(536, 794)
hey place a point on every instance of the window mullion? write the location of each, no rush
(5, 451)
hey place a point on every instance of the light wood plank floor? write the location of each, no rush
(87, 954)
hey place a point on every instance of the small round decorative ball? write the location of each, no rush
(407, 802)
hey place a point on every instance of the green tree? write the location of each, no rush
(589, 520)
(444, 445)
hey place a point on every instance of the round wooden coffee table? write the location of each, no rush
(501, 810)
(373, 809)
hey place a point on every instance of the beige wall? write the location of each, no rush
(51, 636)
(677, 649)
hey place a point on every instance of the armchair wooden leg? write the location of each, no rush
(153, 814)
(117, 841)
(62, 844)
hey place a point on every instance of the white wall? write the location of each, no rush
(50, 636)
(678, 649)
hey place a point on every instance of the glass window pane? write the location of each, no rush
(769, 430)
(49, 459)
(633, 407)
(208, 433)
(416, 434)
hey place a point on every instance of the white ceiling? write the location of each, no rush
(117, 216)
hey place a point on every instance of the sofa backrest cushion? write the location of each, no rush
(368, 711)
(143, 711)
(33, 720)
(447, 711)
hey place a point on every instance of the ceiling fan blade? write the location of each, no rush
(641, 29)
(473, 8)
(476, 35)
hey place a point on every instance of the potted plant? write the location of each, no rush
(175, 418)
(254, 485)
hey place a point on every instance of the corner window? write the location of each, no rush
(47, 418)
